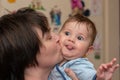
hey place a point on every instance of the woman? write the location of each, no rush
(28, 49)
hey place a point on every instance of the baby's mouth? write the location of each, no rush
(69, 47)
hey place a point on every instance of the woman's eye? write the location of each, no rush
(50, 37)
(67, 33)
(80, 38)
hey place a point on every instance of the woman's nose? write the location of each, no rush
(56, 37)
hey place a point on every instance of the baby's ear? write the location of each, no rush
(90, 50)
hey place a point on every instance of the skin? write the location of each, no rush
(50, 51)
(105, 71)
(75, 39)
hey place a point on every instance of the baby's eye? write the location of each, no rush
(67, 33)
(80, 38)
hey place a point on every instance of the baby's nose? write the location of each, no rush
(71, 38)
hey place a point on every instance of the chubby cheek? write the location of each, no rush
(62, 40)
(82, 49)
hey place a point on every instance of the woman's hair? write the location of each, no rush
(78, 18)
(19, 42)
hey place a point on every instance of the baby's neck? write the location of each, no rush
(64, 61)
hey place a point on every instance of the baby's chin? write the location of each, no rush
(67, 56)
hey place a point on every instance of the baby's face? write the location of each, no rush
(75, 40)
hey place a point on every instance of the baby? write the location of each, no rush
(76, 38)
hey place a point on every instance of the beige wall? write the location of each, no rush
(111, 37)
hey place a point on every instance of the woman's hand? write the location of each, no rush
(71, 74)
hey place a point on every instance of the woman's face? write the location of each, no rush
(50, 52)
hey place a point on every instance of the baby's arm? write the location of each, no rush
(105, 71)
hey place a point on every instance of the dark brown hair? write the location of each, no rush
(19, 42)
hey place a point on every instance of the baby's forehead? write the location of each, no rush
(76, 24)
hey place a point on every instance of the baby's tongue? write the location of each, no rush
(69, 47)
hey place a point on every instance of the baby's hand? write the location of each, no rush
(105, 71)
